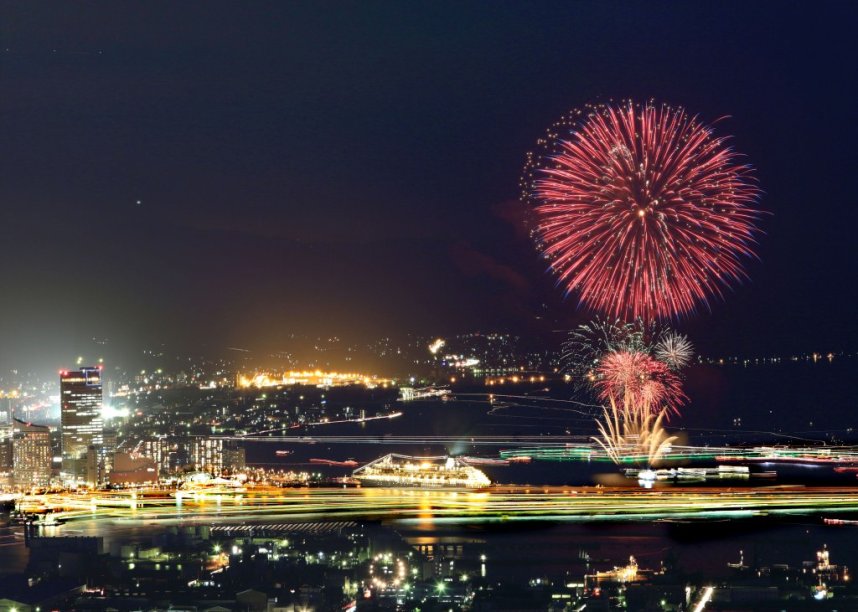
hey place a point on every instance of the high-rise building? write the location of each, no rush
(90, 467)
(105, 455)
(5, 454)
(31, 454)
(5, 410)
(234, 458)
(159, 450)
(80, 415)
(207, 455)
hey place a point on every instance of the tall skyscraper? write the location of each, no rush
(80, 415)
(31, 454)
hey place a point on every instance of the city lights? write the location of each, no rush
(316, 378)
(306, 310)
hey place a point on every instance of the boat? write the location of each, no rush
(282, 453)
(484, 461)
(520, 459)
(442, 472)
(7, 504)
(834, 521)
(346, 463)
(721, 472)
(799, 456)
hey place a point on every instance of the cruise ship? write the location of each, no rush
(431, 472)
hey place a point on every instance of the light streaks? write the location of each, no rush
(633, 434)
(498, 504)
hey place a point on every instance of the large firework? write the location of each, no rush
(641, 209)
(647, 382)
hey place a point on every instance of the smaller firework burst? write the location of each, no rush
(648, 382)
(674, 349)
(589, 343)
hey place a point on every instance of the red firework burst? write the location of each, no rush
(641, 209)
(648, 382)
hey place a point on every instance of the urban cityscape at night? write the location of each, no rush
(428, 306)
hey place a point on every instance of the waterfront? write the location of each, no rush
(522, 559)
(755, 406)
(768, 539)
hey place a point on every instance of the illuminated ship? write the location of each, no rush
(843, 456)
(496, 462)
(432, 472)
(484, 461)
(201, 483)
(332, 462)
(691, 474)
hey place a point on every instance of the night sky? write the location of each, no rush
(225, 174)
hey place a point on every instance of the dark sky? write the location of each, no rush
(353, 168)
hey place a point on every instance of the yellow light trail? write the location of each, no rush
(492, 504)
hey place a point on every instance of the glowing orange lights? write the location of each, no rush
(311, 377)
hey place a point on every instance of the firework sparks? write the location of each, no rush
(585, 346)
(633, 433)
(674, 349)
(641, 209)
(648, 383)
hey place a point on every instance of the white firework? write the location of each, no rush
(675, 350)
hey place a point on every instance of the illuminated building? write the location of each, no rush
(207, 455)
(627, 573)
(80, 416)
(31, 454)
(105, 454)
(5, 453)
(158, 450)
(825, 573)
(90, 470)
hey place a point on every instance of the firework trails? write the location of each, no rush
(633, 433)
(641, 209)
